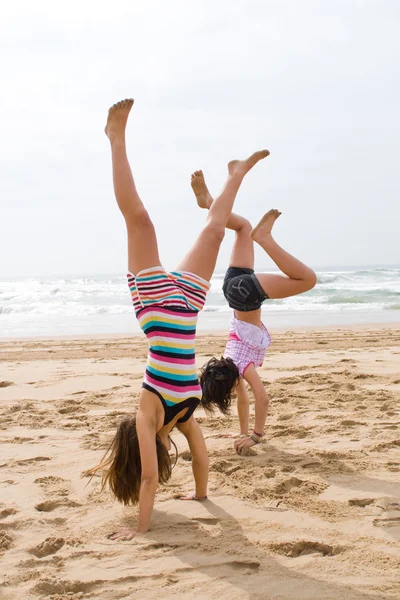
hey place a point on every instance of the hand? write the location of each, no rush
(124, 535)
(242, 443)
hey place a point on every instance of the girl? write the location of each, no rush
(248, 339)
(166, 306)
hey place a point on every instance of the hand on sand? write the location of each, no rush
(124, 535)
(241, 443)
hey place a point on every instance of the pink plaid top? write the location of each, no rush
(246, 344)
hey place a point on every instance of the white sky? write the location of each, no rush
(315, 81)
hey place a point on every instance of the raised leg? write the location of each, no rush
(299, 278)
(243, 247)
(142, 240)
(201, 259)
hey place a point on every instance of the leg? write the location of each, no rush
(142, 241)
(243, 247)
(299, 278)
(261, 406)
(202, 257)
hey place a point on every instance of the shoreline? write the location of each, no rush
(375, 326)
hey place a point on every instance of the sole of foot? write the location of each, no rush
(200, 189)
(117, 118)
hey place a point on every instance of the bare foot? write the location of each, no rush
(203, 196)
(117, 119)
(264, 228)
(242, 167)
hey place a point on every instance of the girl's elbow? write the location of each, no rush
(149, 479)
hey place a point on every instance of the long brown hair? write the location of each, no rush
(122, 467)
(218, 378)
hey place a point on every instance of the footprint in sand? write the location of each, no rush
(393, 466)
(70, 406)
(285, 486)
(7, 512)
(351, 423)
(25, 405)
(64, 589)
(49, 480)
(4, 384)
(224, 466)
(303, 547)
(160, 546)
(26, 462)
(49, 546)
(206, 520)
(288, 380)
(386, 445)
(389, 522)
(285, 416)
(5, 541)
(52, 504)
(361, 501)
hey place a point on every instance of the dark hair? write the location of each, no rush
(122, 465)
(217, 379)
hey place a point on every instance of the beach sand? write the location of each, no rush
(313, 514)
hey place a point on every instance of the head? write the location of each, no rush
(218, 379)
(122, 467)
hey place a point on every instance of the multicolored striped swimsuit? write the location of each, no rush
(166, 306)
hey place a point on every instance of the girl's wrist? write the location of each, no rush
(142, 529)
(257, 437)
(198, 497)
(258, 434)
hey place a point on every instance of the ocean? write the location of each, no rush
(61, 306)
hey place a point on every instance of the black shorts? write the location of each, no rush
(242, 289)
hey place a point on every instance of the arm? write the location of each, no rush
(261, 406)
(243, 406)
(146, 430)
(192, 432)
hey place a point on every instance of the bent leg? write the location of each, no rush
(299, 278)
(142, 240)
(201, 259)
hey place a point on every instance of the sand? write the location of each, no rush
(313, 514)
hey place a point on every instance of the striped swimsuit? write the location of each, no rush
(166, 306)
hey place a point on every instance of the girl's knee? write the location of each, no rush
(311, 280)
(139, 218)
(216, 231)
(245, 229)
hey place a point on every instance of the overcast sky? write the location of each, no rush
(317, 82)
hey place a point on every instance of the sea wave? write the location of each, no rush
(58, 302)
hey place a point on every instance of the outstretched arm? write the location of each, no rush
(146, 430)
(192, 432)
(261, 406)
